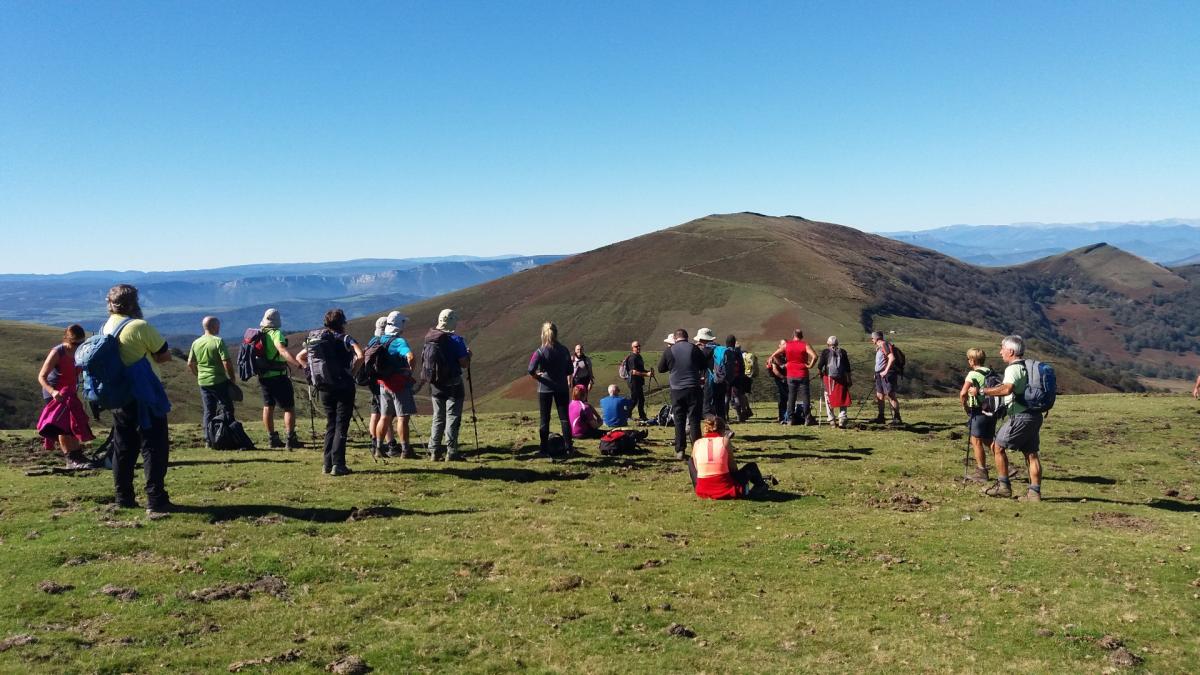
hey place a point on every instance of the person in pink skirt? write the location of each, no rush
(64, 421)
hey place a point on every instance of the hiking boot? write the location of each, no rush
(998, 489)
(127, 503)
(293, 443)
(160, 511)
(810, 421)
(437, 453)
(276, 443)
(1031, 496)
(979, 475)
(454, 456)
(406, 451)
(393, 450)
(896, 422)
(877, 420)
(77, 462)
(326, 470)
(679, 454)
(340, 471)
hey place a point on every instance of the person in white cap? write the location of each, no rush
(274, 383)
(444, 357)
(377, 443)
(396, 399)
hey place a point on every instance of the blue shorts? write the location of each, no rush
(982, 426)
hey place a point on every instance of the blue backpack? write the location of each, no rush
(1042, 388)
(106, 382)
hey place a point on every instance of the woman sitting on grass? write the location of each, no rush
(585, 421)
(714, 473)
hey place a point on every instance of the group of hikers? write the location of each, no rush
(706, 380)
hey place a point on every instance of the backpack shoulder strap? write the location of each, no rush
(116, 332)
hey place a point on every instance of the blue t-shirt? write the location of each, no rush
(398, 347)
(616, 410)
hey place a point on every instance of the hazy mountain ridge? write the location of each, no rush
(1161, 241)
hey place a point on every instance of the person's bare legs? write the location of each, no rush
(269, 418)
(289, 421)
(977, 446)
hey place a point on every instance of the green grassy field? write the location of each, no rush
(872, 556)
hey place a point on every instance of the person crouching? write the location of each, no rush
(714, 473)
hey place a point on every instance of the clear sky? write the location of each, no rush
(161, 135)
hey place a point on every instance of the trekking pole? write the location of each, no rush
(474, 421)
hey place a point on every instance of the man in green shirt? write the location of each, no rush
(275, 385)
(1022, 429)
(209, 361)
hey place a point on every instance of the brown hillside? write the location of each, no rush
(752, 275)
(1110, 268)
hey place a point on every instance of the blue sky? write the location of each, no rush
(162, 135)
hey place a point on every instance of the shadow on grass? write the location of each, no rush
(500, 473)
(923, 427)
(749, 454)
(1090, 480)
(1164, 504)
(778, 496)
(782, 436)
(316, 514)
(231, 460)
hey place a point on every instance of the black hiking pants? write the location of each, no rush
(559, 400)
(781, 395)
(637, 394)
(716, 400)
(154, 445)
(339, 409)
(686, 405)
(216, 401)
(799, 404)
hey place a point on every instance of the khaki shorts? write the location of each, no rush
(1021, 432)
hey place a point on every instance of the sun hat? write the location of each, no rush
(705, 335)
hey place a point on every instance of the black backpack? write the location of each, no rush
(378, 362)
(328, 361)
(665, 417)
(581, 369)
(620, 442)
(435, 359)
(990, 405)
(252, 355)
(900, 360)
(556, 447)
(226, 433)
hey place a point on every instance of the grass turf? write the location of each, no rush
(872, 556)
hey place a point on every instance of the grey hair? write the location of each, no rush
(1014, 342)
(877, 335)
(613, 390)
(832, 341)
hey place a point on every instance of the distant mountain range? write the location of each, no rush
(302, 291)
(1168, 242)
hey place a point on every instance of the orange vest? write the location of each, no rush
(711, 456)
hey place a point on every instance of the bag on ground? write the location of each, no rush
(665, 417)
(225, 433)
(556, 447)
(620, 441)
(106, 382)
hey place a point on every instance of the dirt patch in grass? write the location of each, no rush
(16, 641)
(567, 583)
(269, 584)
(1121, 520)
(53, 587)
(286, 657)
(900, 501)
(120, 593)
(348, 665)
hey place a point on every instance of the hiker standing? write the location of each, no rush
(373, 387)
(63, 418)
(581, 372)
(274, 383)
(615, 408)
(141, 425)
(834, 366)
(739, 389)
(777, 369)
(396, 399)
(980, 427)
(635, 367)
(686, 364)
(208, 359)
(1022, 428)
(585, 421)
(714, 391)
(887, 378)
(800, 358)
(550, 366)
(1196, 388)
(443, 358)
(714, 473)
(331, 357)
